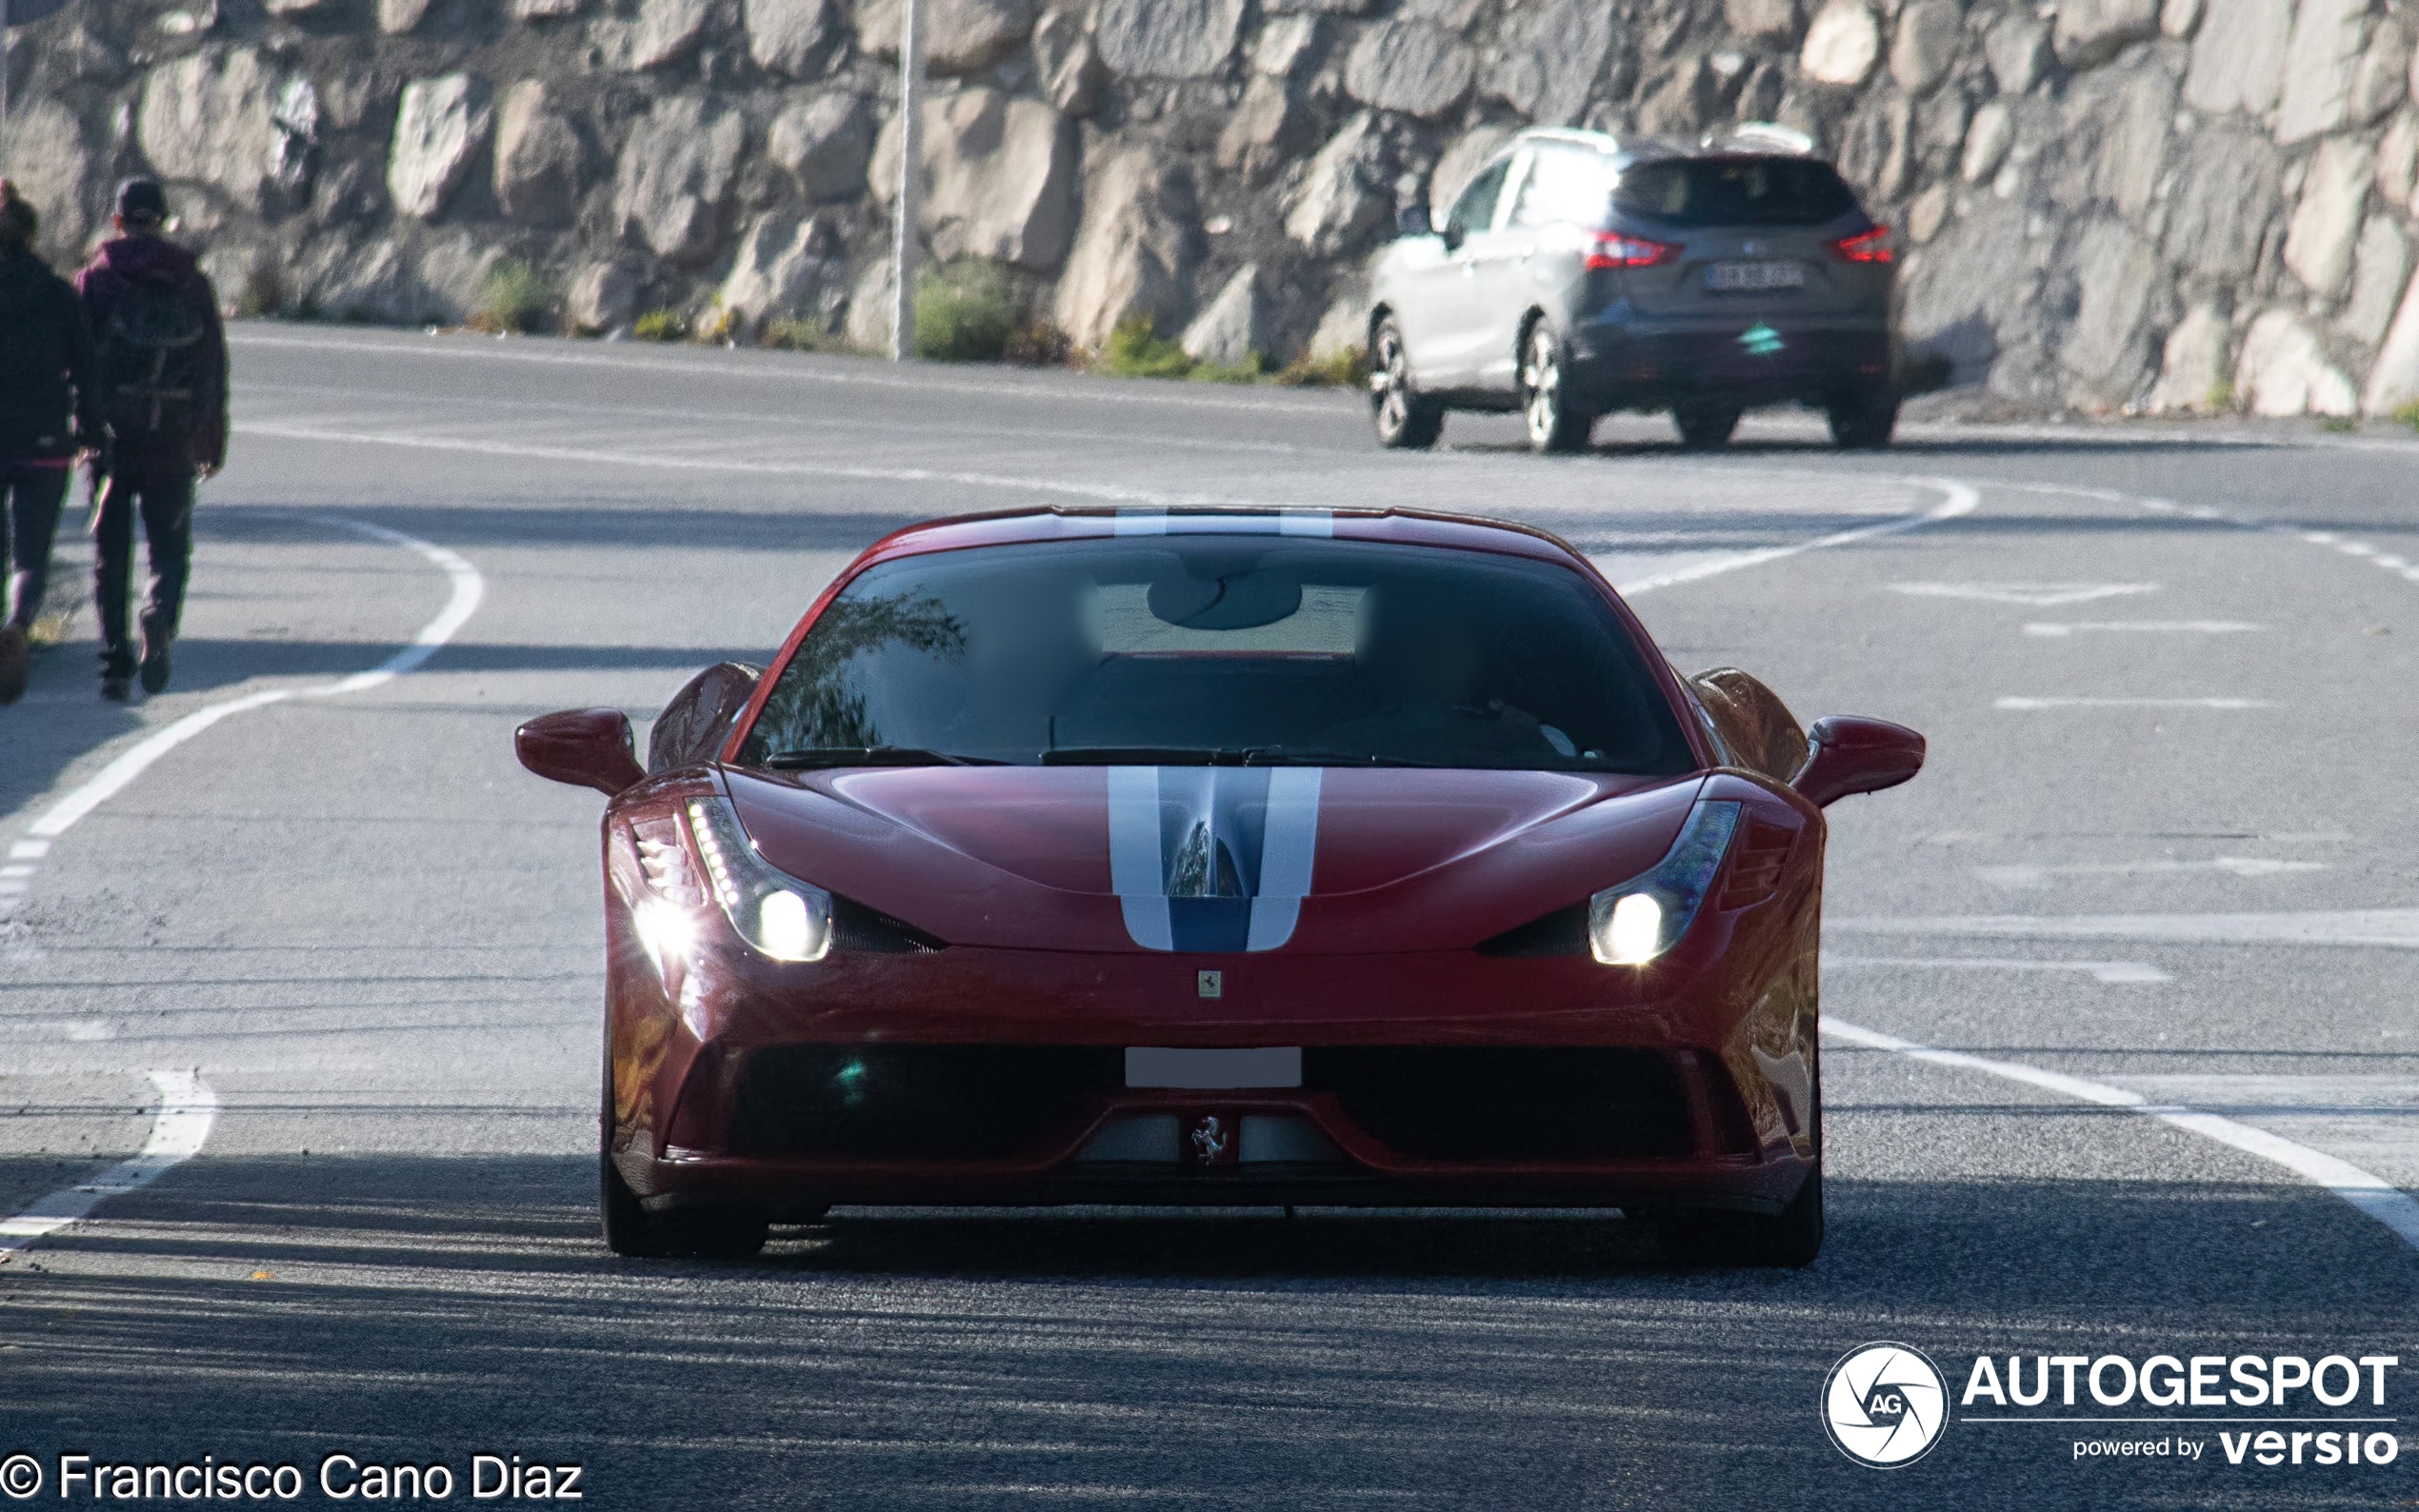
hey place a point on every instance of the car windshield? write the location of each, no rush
(1219, 649)
(1692, 193)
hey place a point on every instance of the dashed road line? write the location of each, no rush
(2127, 972)
(2029, 705)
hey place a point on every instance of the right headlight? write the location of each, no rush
(780, 916)
(1632, 924)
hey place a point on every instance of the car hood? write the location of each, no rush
(1211, 859)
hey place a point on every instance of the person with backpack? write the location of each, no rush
(161, 353)
(46, 418)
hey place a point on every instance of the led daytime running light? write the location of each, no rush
(778, 915)
(1631, 925)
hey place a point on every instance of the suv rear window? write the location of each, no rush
(1734, 192)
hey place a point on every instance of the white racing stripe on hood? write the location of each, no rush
(1211, 859)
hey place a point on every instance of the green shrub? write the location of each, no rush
(1348, 368)
(1134, 352)
(661, 324)
(791, 334)
(2340, 424)
(513, 296)
(2406, 414)
(965, 312)
(1251, 370)
(1039, 344)
(2220, 398)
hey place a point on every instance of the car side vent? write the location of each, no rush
(854, 926)
(1755, 864)
(1563, 932)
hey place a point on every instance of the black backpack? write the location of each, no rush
(156, 381)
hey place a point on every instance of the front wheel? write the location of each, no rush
(1556, 422)
(1405, 420)
(1864, 419)
(630, 1229)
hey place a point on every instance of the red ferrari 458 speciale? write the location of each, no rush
(1216, 857)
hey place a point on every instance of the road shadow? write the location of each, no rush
(430, 1308)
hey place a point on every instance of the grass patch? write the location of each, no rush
(2406, 414)
(1251, 370)
(2340, 424)
(513, 296)
(965, 312)
(1348, 369)
(1134, 350)
(661, 324)
(2220, 399)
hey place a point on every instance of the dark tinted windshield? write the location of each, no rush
(1220, 647)
(1734, 192)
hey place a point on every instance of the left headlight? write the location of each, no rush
(780, 916)
(1632, 924)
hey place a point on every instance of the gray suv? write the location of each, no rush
(1578, 274)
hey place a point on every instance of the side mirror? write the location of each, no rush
(693, 726)
(1852, 755)
(1412, 220)
(1453, 233)
(586, 748)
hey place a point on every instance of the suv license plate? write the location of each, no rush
(1734, 276)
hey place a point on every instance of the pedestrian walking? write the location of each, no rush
(46, 417)
(161, 354)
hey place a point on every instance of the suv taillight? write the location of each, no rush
(1867, 247)
(1629, 252)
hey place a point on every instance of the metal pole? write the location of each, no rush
(910, 178)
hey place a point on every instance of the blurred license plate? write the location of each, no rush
(1755, 275)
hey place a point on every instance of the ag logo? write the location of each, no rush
(1885, 1405)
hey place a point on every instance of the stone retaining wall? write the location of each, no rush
(2108, 204)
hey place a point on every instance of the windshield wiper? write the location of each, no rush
(807, 756)
(1214, 756)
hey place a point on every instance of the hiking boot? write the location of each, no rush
(155, 637)
(116, 690)
(17, 659)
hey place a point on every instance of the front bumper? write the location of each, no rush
(989, 1077)
(1621, 362)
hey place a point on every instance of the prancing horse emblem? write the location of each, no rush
(1210, 1139)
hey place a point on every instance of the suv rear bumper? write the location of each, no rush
(1746, 360)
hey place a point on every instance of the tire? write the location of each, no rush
(1863, 420)
(1788, 1239)
(1406, 422)
(1703, 426)
(1555, 424)
(632, 1230)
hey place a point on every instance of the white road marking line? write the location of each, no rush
(28, 851)
(2027, 876)
(2036, 704)
(1105, 493)
(1957, 499)
(2031, 595)
(2128, 972)
(2387, 928)
(2141, 626)
(2365, 1190)
(187, 1107)
(112, 779)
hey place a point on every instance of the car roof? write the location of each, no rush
(1751, 138)
(1055, 523)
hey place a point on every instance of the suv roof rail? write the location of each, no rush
(1594, 141)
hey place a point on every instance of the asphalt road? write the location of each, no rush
(2162, 851)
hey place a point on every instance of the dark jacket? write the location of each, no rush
(45, 364)
(121, 264)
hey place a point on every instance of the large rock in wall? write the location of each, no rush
(2109, 203)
